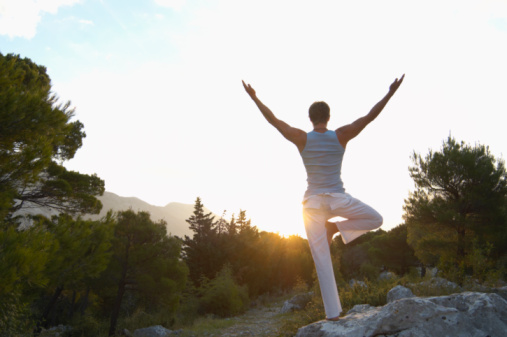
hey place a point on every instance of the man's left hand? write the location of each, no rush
(249, 90)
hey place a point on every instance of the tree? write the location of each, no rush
(81, 253)
(23, 258)
(36, 134)
(460, 196)
(202, 253)
(145, 261)
(391, 251)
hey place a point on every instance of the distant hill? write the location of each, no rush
(174, 213)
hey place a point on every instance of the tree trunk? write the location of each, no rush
(120, 293)
(51, 304)
(72, 304)
(460, 253)
(116, 308)
(84, 305)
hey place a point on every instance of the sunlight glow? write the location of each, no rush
(159, 91)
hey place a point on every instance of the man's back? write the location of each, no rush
(323, 156)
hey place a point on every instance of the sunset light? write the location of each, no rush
(157, 85)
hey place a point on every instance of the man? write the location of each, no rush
(322, 151)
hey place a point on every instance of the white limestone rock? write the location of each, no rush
(153, 331)
(398, 293)
(466, 314)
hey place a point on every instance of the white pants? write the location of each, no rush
(360, 219)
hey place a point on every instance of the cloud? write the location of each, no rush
(20, 18)
(86, 22)
(173, 4)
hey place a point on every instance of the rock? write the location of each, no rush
(359, 309)
(439, 283)
(153, 331)
(353, 283)
(399, 292)
(386, 275)
(126, 333)
(502, 292)
(466, 314)
(56, 331)
(298, 302)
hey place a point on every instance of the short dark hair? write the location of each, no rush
(319, 112)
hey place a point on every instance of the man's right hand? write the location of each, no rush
(395, 85)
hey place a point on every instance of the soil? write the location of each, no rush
(262, 321)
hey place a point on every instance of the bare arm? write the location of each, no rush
(294, 135)
(347, 132)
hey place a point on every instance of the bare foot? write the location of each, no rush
(334, 319)
(331, 229)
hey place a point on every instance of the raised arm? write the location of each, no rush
(347, 132)
(294, 135)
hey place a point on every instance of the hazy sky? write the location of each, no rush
(157, 85)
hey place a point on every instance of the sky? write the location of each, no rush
(157, 85)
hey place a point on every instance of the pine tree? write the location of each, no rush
(146, 262)
(36, 135)
(460, 196)
(81, 253)
(203, 253)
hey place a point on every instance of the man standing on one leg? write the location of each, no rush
(322, 152)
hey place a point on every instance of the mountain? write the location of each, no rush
(174, 213)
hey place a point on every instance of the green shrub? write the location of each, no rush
(369, 271)
(222, 296)
(143, 318)
(15, 318)
(87, 326)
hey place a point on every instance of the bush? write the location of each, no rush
(369, 271)
(222, 296)
(142, 318)
(87, 326)
(14, 315)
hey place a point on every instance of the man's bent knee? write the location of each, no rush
(378, 220)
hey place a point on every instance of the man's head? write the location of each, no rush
(319, 112)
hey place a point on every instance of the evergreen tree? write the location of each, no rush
(23, 259)
(203, 253)
(145, 261)
(81, 252)
(460, 196)
(390, 251)
(36, 133)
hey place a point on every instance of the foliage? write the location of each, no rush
(202, 252)
(374, 293)
(222, 296)
(235, 253)
(207, 326)
(36, 132)
(81, 252)
(460, 198)
(374, 252)
(14, 315)
(145, 261)
(23, 258)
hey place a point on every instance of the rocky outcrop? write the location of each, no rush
(386, 275)
(399, 292)
(438, 283)
(155, 331)
(465, 314)
(298, 302)
(354, 283)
